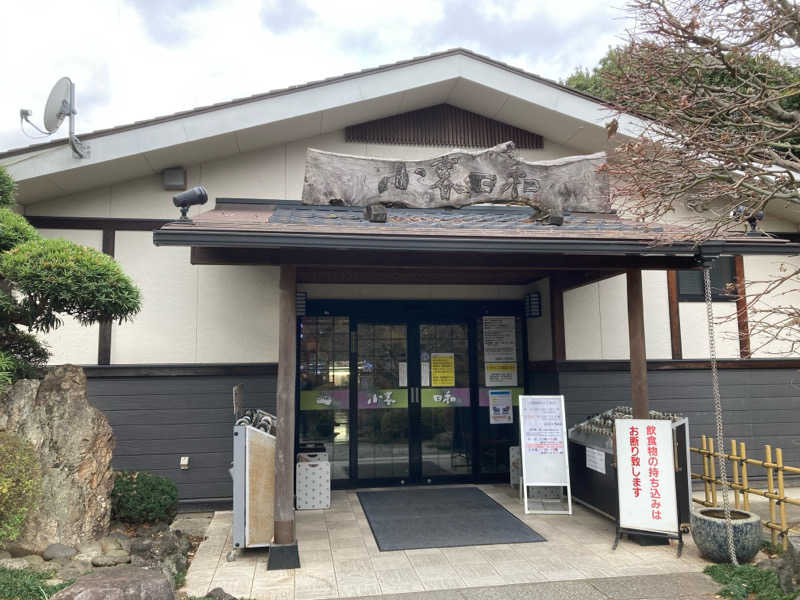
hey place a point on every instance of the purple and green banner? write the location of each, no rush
(324, 400)
(396, 398)
(445, 397)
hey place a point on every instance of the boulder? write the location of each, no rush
(220, 594)
(13, 563)
(54, 551)
(75, 442)
(35, 562)
(119, 583)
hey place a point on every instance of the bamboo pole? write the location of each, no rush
(745, 487)
(712, 472)
(735, 465)
(770, 488)
(781, 493)
(706, 485)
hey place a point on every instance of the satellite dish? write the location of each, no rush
(58, 105)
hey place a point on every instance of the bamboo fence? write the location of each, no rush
(739, 483)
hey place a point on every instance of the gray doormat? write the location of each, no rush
(441, 518)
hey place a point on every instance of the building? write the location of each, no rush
(379, 303)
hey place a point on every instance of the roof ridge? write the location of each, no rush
(298, 87)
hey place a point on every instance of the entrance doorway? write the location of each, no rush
(396, 391)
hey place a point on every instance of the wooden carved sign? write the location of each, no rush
(459, 178)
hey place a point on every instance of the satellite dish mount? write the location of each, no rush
(60, 105)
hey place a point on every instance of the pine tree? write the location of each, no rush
(43, 279)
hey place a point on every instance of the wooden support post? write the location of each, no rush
(287, 371)
(674, 315)
(741, 307)
(641, 407)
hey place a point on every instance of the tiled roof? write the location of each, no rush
(490, 221)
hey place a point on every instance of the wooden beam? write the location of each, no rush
(287, 366)
(640, 403)
(674, 315)
(557, 318)
(104, 336)
(344, 258)
(741, 307)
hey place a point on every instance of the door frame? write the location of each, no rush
(412, 313)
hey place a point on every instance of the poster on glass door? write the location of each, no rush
(500, 351)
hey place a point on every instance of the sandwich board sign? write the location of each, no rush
(646, 478)
(543, 447)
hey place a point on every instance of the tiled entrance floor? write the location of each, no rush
(339, 557)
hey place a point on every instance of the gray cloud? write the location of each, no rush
(464, 25)
(282, 16)
(163, 18)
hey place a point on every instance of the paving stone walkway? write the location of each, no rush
(340, 559)
(680, 586)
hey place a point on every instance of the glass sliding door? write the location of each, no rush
(445, 415)
(324, 382)
(382, 400)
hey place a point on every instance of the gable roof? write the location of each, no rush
(458, 77)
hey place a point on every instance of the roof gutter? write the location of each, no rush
(704, 253)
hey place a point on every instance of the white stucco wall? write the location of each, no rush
(758, 270)
(228, 314)
(596, 319)
(205, 314)
(222, 314)
(73, 342)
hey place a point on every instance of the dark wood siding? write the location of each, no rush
(159, 418)
(761, 406)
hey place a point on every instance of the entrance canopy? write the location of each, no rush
(480, 244)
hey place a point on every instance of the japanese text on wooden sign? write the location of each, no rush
(646, 475)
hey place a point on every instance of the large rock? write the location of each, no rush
(119, 583)
(75, 442)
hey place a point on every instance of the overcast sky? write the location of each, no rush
(136, 59)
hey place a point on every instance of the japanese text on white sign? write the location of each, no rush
(646, 475)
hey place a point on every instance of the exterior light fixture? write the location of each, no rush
(533, 305)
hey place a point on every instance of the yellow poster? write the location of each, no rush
(501, 374)
(443, 369)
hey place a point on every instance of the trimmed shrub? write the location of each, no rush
(14, 229)
(143, 497)
(71, 279)
(20, 484)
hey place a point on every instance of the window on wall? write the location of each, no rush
(690, 283)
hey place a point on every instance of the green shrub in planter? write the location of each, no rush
(143, 497)
(20, 484)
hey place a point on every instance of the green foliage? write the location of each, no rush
(143, 497)
(14, 229)
(50, 278)
(7, 370)
(20, 484)
(593, 82)
(747, 582)
(7, 189)
(24, 584)
(180, 579)
(58, 276)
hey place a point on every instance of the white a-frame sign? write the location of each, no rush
(543, 448)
